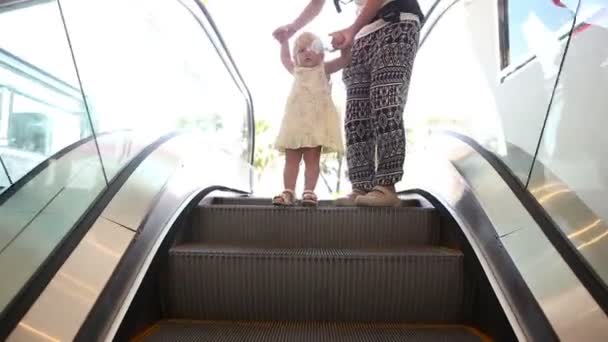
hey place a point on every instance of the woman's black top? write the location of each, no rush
(391, 11)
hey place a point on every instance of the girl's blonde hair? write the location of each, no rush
(306, 39)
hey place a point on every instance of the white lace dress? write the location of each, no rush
(311, 118)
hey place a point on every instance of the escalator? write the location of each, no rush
(113, 236)
(199, 261)
(241, 269)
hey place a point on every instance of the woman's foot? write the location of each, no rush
(349, 200)
(309, 199)
(380, 196)
(286, 198)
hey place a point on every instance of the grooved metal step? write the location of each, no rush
(228, 282)
(306, 332)
(257, 201)
(324, 227)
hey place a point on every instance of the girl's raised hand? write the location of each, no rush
(283, 33)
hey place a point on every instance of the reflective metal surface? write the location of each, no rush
(40, 214)
(530, 91)
(191, 177)
(136, 197)
(42, 109)
(38, 217)
(73, 291)
(566, 303)
(65, 302)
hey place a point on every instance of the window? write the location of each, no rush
(528, 27)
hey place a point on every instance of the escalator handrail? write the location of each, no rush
(5, 170)
(104, 313)
(579, 265)
(16, 185)
(424, 36)
(530, 317)
(28, 294)
(19, 183)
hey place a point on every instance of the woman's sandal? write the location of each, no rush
(309, 199)
(286, 198)
(380, 196)
(349, 200)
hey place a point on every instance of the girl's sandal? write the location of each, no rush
(286, 198)
(309, 199)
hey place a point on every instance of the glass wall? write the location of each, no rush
(570, 177)
(41, 113)
(487, 70)
(527, 81)
(41, 107)
(74, 111)
(153, 70)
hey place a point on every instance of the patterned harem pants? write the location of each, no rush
(377, 82)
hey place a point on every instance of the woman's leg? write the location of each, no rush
(312, 158)
(358, 123)
(390, 78)
(391, 72)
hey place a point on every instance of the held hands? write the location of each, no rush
(340, 39)
(343, 39)
(283, 33)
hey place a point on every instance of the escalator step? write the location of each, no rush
(221, 282)
(294, 332)
(260, 201)
(329, 227)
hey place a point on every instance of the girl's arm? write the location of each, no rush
(286, 56)
(338, 63)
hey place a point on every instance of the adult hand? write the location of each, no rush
(342, 39)
(283, 33)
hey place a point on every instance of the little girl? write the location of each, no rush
(311, 123)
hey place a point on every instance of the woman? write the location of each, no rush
(384, 39)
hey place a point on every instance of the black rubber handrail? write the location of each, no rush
(19, 183)
(579, 265)
(110, 300)
(20, 304)
(5, 170)
(584, 271)
(434, 22)
(430, 11)
(527, 310)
